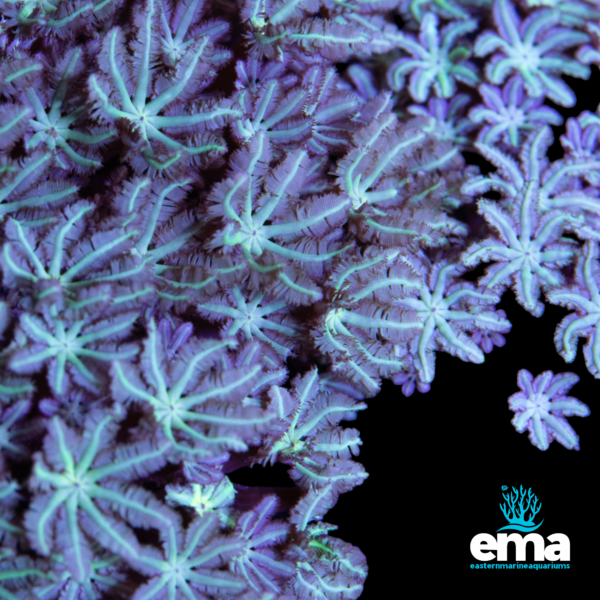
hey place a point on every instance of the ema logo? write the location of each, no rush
(520, 509)
(515, 513)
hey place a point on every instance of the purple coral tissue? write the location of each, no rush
(222, 225)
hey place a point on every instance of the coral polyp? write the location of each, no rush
(223, 225)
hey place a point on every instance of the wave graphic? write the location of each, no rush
(519, 527)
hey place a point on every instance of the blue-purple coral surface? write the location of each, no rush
(223, 224)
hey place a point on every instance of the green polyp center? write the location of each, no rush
(253, 239)
(529, 59)
(79, 484)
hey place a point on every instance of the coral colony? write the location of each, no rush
(223, 224)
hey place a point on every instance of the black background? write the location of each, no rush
(437, 461)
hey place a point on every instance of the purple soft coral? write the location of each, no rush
(528, 250)
(541, 407)
(223, 226)
(533, 48)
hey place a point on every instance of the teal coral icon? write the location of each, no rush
(515, 510)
